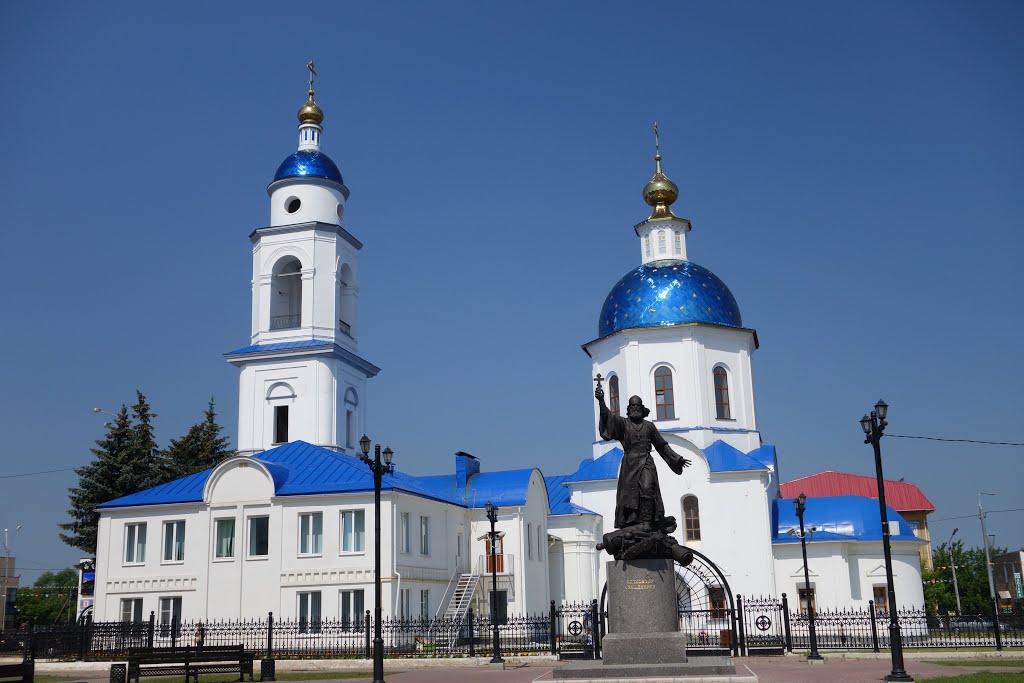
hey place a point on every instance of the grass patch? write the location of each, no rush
(983, 677)
(1019, 663)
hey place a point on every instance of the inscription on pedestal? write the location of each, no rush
(642, 596)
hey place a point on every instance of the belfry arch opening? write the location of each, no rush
(346, 300)
(286, 294)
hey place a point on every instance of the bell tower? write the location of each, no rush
(301, 375)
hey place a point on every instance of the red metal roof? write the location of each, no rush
(901, 496)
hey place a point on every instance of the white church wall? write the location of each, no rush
(318, 201)
(573, 558)
(533, 533)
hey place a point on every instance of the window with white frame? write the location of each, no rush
(404, 603)
(424, 535)
(224, 538)
(353, 535)
(351, 608)
(259, 536)
(679, 242)
(309, 612)
(311, 533)
(174, 541)
(661, 241)
(135, 543)
(529, 541)
(425, 603)
(170, 615)
(647, 245)
(131, 609)
(405, 533)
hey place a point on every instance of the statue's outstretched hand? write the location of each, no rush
(599, 394)
(679, 465)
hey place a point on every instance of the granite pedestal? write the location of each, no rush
(643, 637)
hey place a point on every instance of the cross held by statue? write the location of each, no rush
(599, 379)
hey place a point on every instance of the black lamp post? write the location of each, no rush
(492, 515)
(800, 504)
(873, 425)
(379, 469)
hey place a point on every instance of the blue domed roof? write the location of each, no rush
(308, 163)
(668, 292)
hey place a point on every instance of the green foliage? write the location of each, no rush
(971, 579)
(126, 461)
(202, 447)
(51, 600)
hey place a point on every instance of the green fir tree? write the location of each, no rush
(202, 447)
(52, 599)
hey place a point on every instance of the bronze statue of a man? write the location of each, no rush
(643, 530)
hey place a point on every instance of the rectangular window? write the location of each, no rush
(131, 609)
(804, 596)
(647, 246)
(170, 615)
(174, 541)
(311, 533)
(224, 538)
(661, 241)
(259, 536)
(529, 541)
(135, 543)
(352, 610)
(424, 535)
(406, 532)
(349, 430)
(280, 424)
(425, 604)
(353, 536)
(404, 603)
(679, 242)
(716, 597)
(309, 612)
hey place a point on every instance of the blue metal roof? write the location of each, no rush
(308, 163)
(837, 518)
(604, 467)
(669, 292)
(558, 497)
(722, 457)
(281, 346)
(764, 454)
(185, 490)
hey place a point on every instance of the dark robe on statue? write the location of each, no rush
(637, 476)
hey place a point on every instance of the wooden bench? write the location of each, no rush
(187, 662)
(23, 671)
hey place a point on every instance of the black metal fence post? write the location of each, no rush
(874, 626)
(366, 647)
(741, 617)
(174, 631)
(551, 628)
(472, 632)
(268, 667)
(593, 630)
(152, 628)
(995, 625)
(785, 623)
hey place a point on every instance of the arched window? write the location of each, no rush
(663, 397)
(351, 403)
(691, 517)
(661, 241)
(286, 294)
(613, 394)
(722, 393)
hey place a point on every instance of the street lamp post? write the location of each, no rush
(379, 469)
(492, 516)
(874, 425)
(800, 504)
(952, 564)
(984, 539)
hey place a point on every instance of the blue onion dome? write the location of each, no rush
(668, 292)
(308, 163)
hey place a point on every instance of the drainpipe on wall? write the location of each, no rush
(394, 558)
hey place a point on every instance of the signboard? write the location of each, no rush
(1017, 584)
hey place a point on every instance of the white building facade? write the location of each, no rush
(286, 525)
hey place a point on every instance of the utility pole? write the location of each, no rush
(984, 539)
(952, 562)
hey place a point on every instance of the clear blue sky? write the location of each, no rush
(854, 172)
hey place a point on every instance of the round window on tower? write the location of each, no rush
(341, 212)
(292, 204)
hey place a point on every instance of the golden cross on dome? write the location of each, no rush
(312, 74)
(657, 145)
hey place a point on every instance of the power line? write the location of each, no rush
(937, 438)
(987, 512)
(32, 474)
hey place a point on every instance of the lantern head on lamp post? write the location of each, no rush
(874, 425)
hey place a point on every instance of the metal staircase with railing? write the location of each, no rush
(462, 598)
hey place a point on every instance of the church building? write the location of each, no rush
(282, 526)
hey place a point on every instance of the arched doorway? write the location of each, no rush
(707, 608)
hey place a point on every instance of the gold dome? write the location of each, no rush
(660, 192)
(310, 113)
